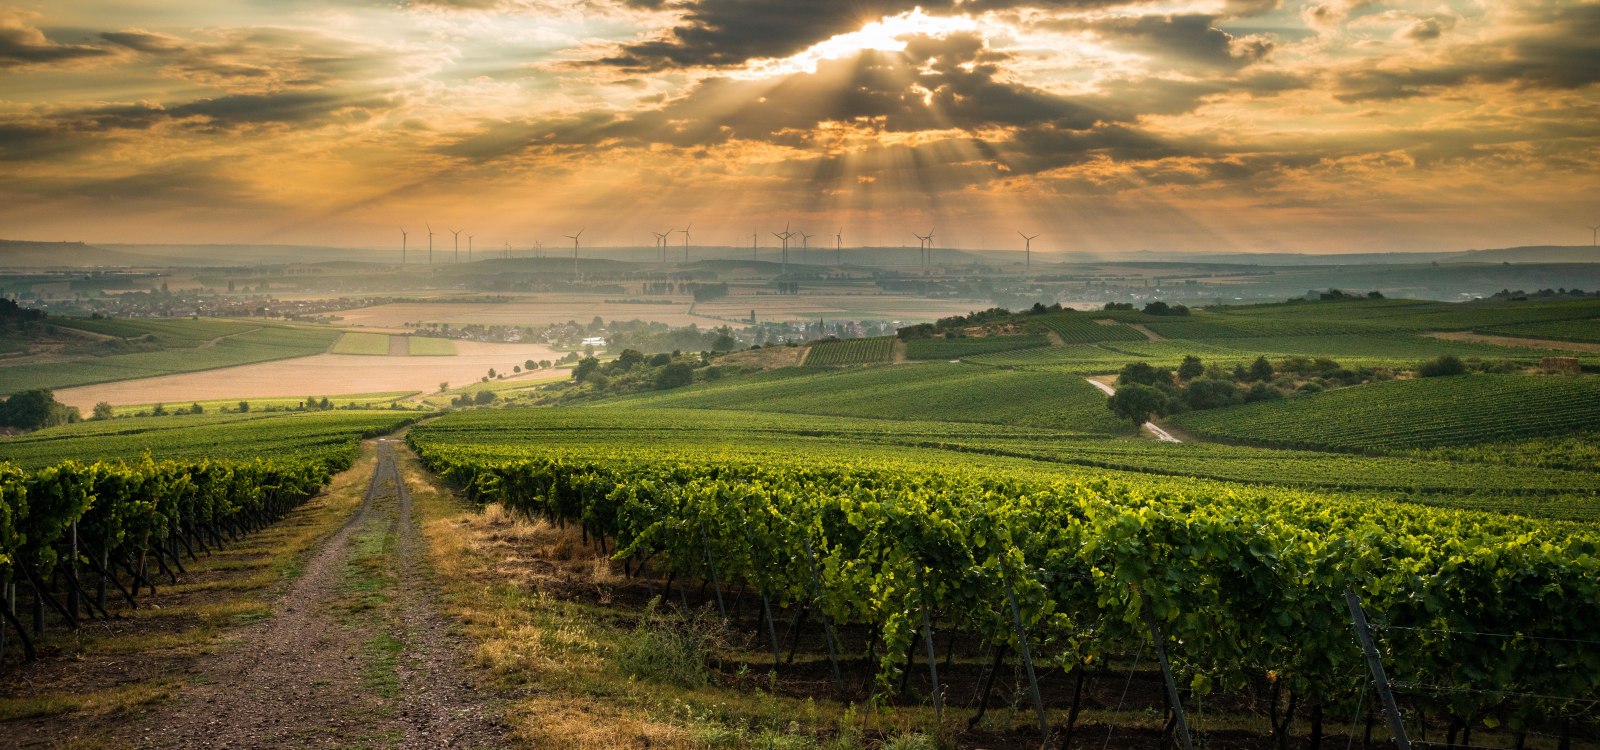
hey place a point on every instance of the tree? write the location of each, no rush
(483, 397)
(102, 410)
(585, 370)
(516, 368)
(724, 343)
(1137, 403)
(530, 364)
(158, 411)
(626, 360)
(324, 404)
(1191, 368)
(1209, 393)
(1261, 370)
(674, 376)
(1142, 373)
(444, 385)
(196, 408)
(1445, 365)
(244, 407)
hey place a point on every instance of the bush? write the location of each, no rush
(1262, 392)
(1209, 393)
(483, 397)
(674, 376)
(668, 650)
(1443, 366)
(102, 410)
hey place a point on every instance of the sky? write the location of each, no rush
(1101, 125)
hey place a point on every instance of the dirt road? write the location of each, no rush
(356, 654)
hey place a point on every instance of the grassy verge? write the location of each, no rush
(582, 670)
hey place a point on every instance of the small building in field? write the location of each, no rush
(595, 341)
(1561, 365)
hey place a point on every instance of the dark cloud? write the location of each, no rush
(1558, 53)
(144, 41)
(727, 33)
(23, 45)
(1179, 39)
(938, 83)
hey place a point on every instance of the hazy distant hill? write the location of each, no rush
(25, 254)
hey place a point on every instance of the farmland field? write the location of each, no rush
(1409, 414)
(236, 345)
(943, 392)
(427, 346)
(877, 350)
(961, 348)
(318, 375)
(368, 344)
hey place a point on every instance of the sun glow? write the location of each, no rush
(885, 35)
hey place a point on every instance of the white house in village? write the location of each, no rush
(595, 341)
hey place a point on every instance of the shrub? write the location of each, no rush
(1446, 365)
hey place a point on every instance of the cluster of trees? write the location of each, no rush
(1144, 391)
(480, 398)
(31, 410)
(1152, 308)
(660, 337)
(788, 287)
(708, 292)
(633, 371)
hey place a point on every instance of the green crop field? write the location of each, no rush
(370, 344)
(1245, 580)
(250, 344)
(426, 346)
(1078, 328)
(868, 351)
(170, 331)
(960, 348)
(936, 391)
(1585, 331)
(1408, 414)
(206, 436)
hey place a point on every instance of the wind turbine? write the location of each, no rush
(430, 243)
(469, 248)
(754, 237)
(1027, 250)
(508, 251)
(838, 247)
(661, 243)
(457, 234)
(785, 237)
(1594, 240)
(685, 231)
(928, 261)
(574, 238)
(805, 247)
(922, 248)
(403, 236)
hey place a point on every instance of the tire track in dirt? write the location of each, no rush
(357, 655)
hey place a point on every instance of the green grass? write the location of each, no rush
(252, 344)
(370, 344)
(376, 400)
(426, 346)
(1412, 414)
(178, 332)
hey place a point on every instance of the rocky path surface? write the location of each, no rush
(356, 655)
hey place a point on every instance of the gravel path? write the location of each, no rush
(356, 655)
